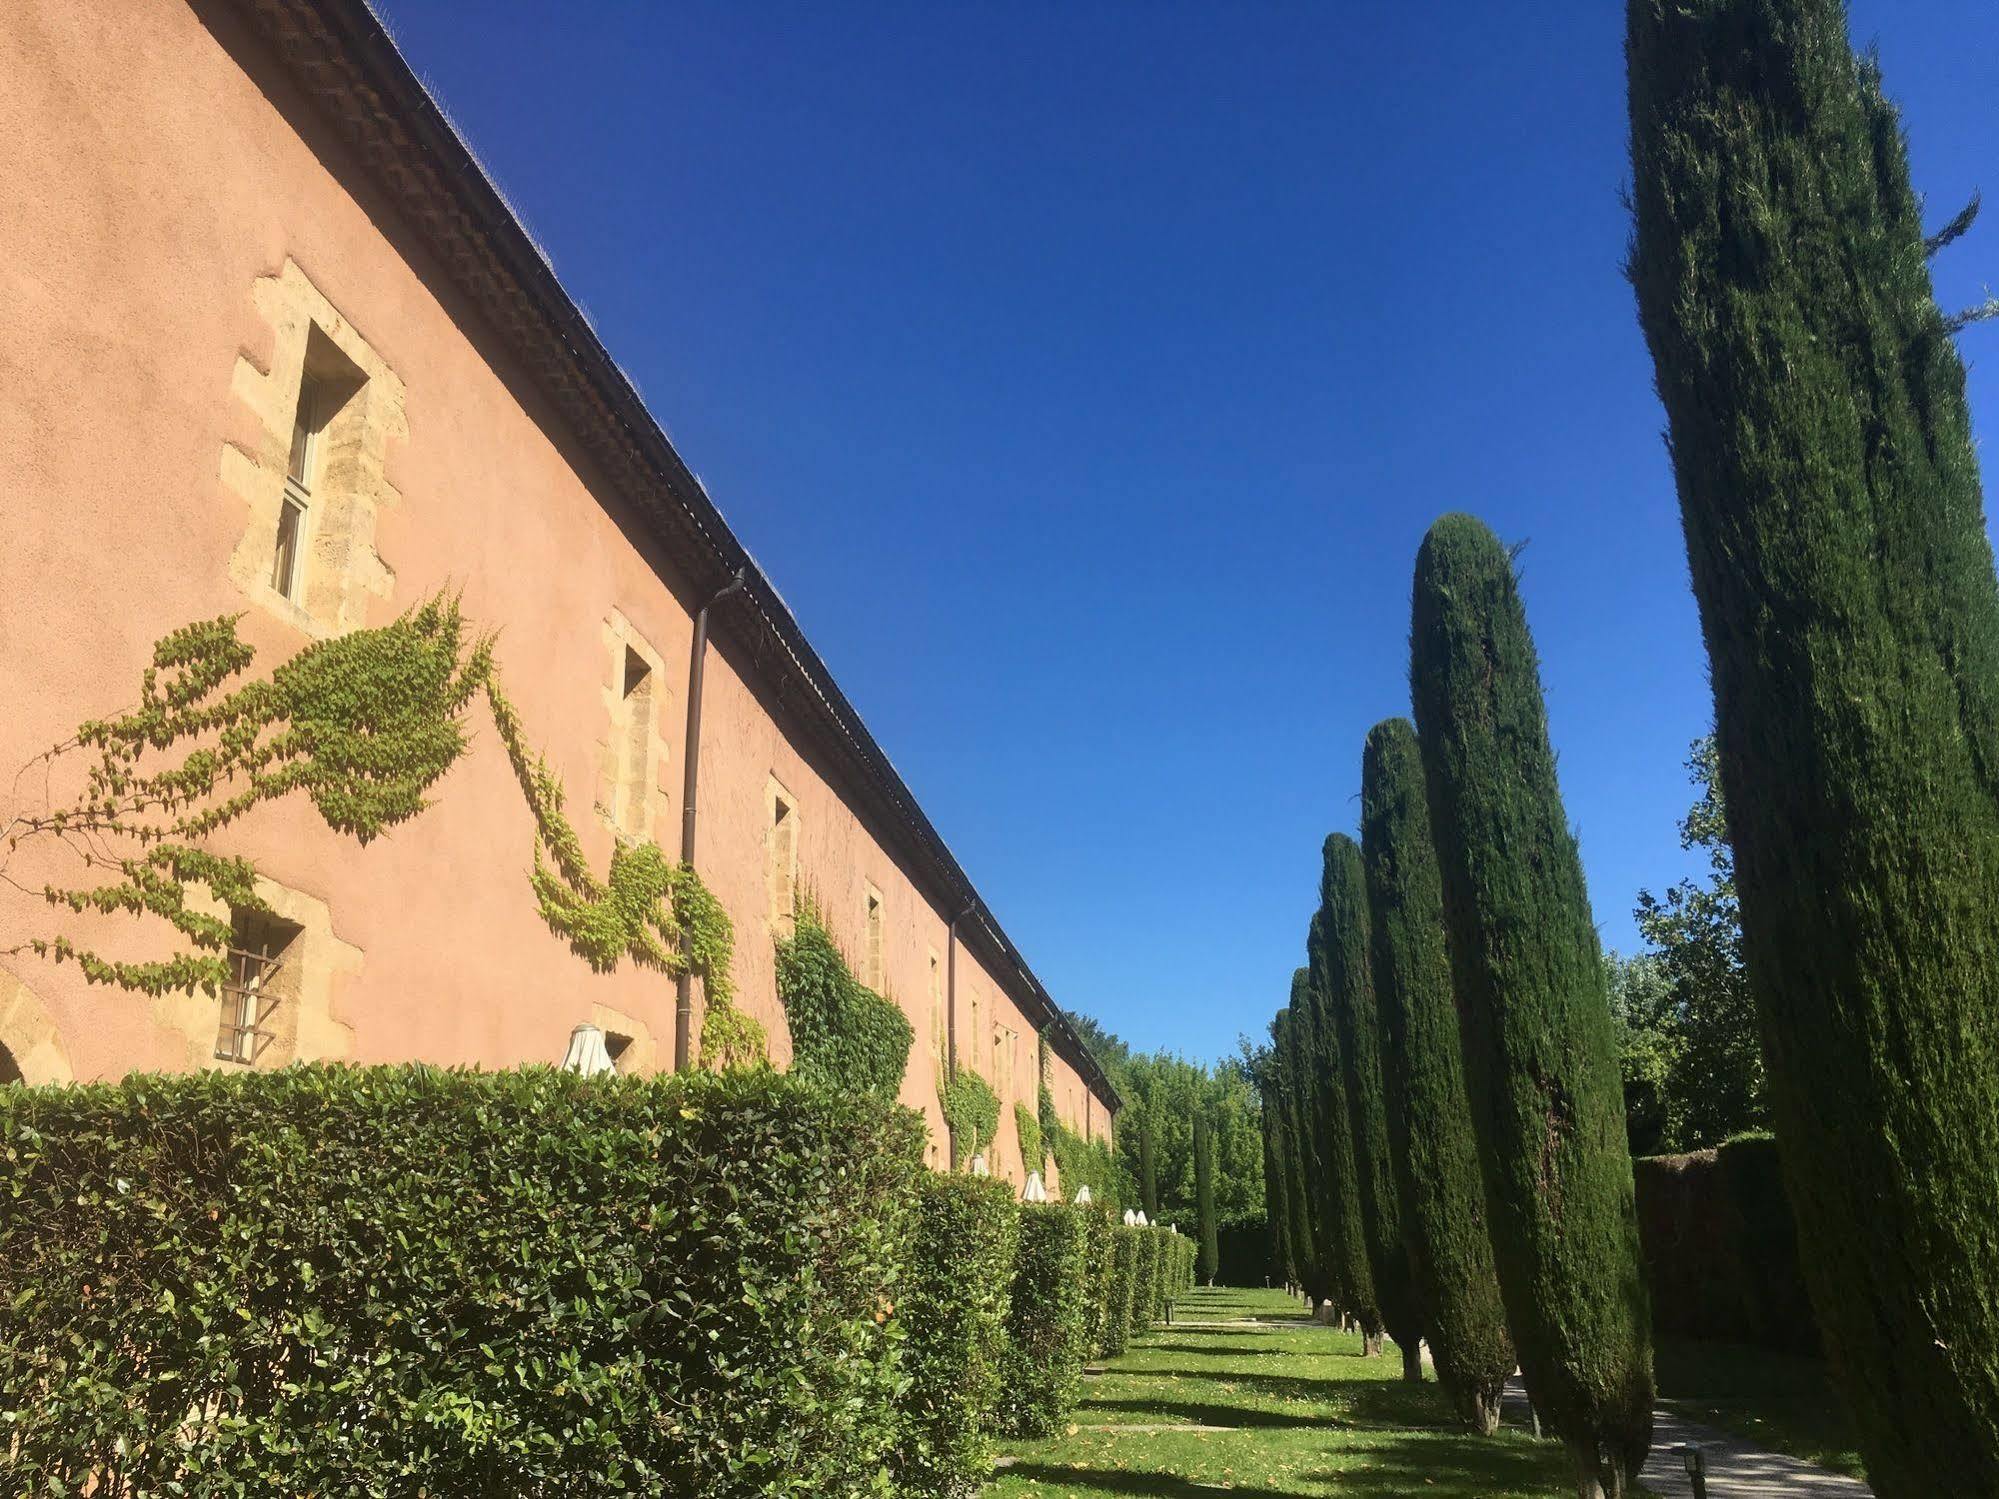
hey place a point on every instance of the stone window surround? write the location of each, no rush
(630, 798)
(340, 572)
(783, 884)
(306, 1026)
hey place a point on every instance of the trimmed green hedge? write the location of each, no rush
(407, 1280)
(1120, 1291)
(1145, 1276)
(1721, 1247)
(954, 1309)
(1047, 1323)
(1177, 1256)
(1099, 1275)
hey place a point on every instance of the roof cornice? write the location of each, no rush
(344, 59)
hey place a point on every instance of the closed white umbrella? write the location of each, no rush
(1034, 1191)
(587, 1056)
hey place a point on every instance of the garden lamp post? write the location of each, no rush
(1694, 1459)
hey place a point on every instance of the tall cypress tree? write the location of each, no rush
(1148, 1171)
(1208, 1256)
(1349, 996)
(1836, 534)
(1276, 1200)
(1422, 1065)
(1303, 1151)
(1540, 1055)
(1343, 1231)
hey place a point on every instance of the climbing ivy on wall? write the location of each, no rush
(1028, 1127)
(972, 1111)
(842, 1032)
(1044, 1095)
(364, 725)
(1085, 1163)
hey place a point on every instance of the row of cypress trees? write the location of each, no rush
(1446, 1102)
(1837, 544)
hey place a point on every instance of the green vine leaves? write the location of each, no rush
(364, 725)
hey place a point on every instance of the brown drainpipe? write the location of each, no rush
(690, 783)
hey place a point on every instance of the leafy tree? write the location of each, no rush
(1204, 1199)
(1167, 1093)
(1349, 997)
(1539, 1048)
(1830, 497)
(1648, 1050)
(1343, 1238)
(1429, 1116)
(1716, 1086)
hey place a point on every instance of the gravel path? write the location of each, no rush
(1736, 1468)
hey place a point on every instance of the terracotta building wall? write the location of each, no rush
(171, 199)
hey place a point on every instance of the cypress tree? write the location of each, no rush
(1349, 996)
(1302, 1153)
(1209, 1254)
(1429, 1117)
(1835, 529)
(1148, 1171)
(1540, 1055)
(1276, 1201)
(1343, 1234)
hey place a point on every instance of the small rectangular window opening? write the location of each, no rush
(782, 854)
(874, 941)
(628, 809)
(301, 474)
(937, 1047)
(261, 946)
(637, 673)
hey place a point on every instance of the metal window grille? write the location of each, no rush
(248, 1002)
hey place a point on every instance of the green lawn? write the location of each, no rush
(1778, 1400)
(1303, 1414)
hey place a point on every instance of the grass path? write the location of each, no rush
(1287, 1407)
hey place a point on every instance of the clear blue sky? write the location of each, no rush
(1085, 377)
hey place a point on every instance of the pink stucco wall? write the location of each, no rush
(157, 165)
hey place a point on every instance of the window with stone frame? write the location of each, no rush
(265, 958)
(781, 856)
(310, 463)
(875, 977)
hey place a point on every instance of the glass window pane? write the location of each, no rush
(284, 560)
(304, 423)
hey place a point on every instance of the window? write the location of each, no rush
(1006, 1049)
(263, 974)
(631, 746)
(311, 464)
(875, 977)
(938, 1049)
(301, 473)
(781, 856)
